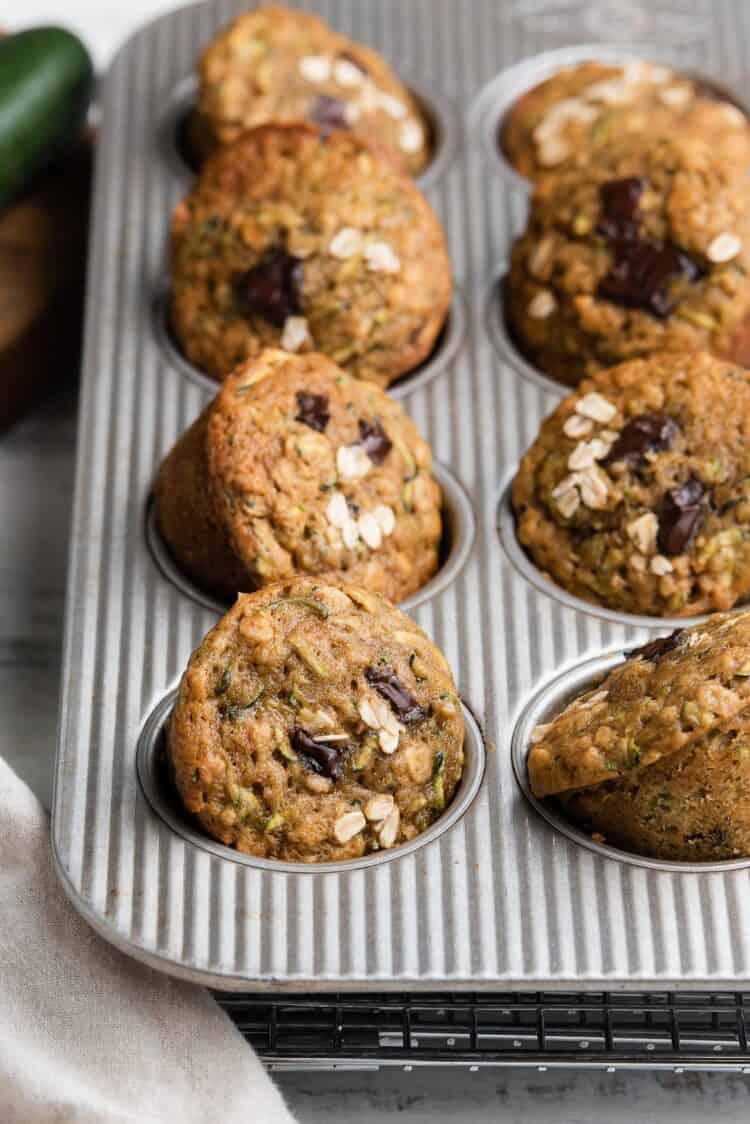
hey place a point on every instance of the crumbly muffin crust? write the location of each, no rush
(656, 758)
(277, 64)
(315, 723)
(646, 250)
(565, 121)
(636, 493)
(297, 467)
(292, 239)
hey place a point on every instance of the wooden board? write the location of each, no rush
(42, 272)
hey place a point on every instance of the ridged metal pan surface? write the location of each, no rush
(500, 899)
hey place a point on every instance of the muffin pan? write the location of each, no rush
(455, 546)
(494, 897)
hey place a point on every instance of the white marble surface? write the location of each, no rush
(36, 473)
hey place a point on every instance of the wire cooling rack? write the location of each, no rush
(676, 1031)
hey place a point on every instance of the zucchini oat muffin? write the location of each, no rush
(315, 723)
(647, 250)
(310, 243)
(276, 64)
(565, 121)
(636, 493)
(297, 467)
(656, 759)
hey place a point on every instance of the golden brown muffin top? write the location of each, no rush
(566, 120)
(283, 65)
(313, 470)
(668, 695)
(310, 243)
(316, 722)
(647, 249)
(636, 493)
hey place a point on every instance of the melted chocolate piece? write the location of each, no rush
(374, 440)
(389, 686)
(328, 113)
(655, 649)
(312, 410)
(319, 757)
(642, 276)
(679, 514)
(642, 434)
(619, 215)
(271, 288)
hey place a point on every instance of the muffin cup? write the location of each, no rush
(504, 343)
(544, 706)
(157, 788)
(459, 526)
(173, 135)
(527, 568)
(447, 346)
(488, 112)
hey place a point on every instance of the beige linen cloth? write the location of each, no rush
(86, 1034)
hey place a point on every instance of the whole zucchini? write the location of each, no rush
(46, 80)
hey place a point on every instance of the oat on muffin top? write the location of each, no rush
(566, 120)
(647, 250)
(307, 242)
(284, 65)
(670, 694)
(297, 467)
(316, 723)
(636, 493)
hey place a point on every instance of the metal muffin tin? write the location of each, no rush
(499, 899)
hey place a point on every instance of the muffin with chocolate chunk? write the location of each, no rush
(310, 243)
(278, 64)
(315, 723)
(646, 250)
(295, 467)
(656, 758)
(565, 121)
(636, 493)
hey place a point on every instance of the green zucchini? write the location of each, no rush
(46, 81)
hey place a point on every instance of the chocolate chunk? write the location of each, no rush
(328, 113)
(319, 757)
(271, 288)
(312, 410)
(374, 440)
(679, 514)
(389, 686)
(642, 434)
(643, 275)
(655, 649)
(619, 214)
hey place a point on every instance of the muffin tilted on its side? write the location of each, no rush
(277, 64)
(656, 758)
(315, 723)
(636, 493)
(647, 249)
(565, 121)
(310, 243)
(295, 467)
